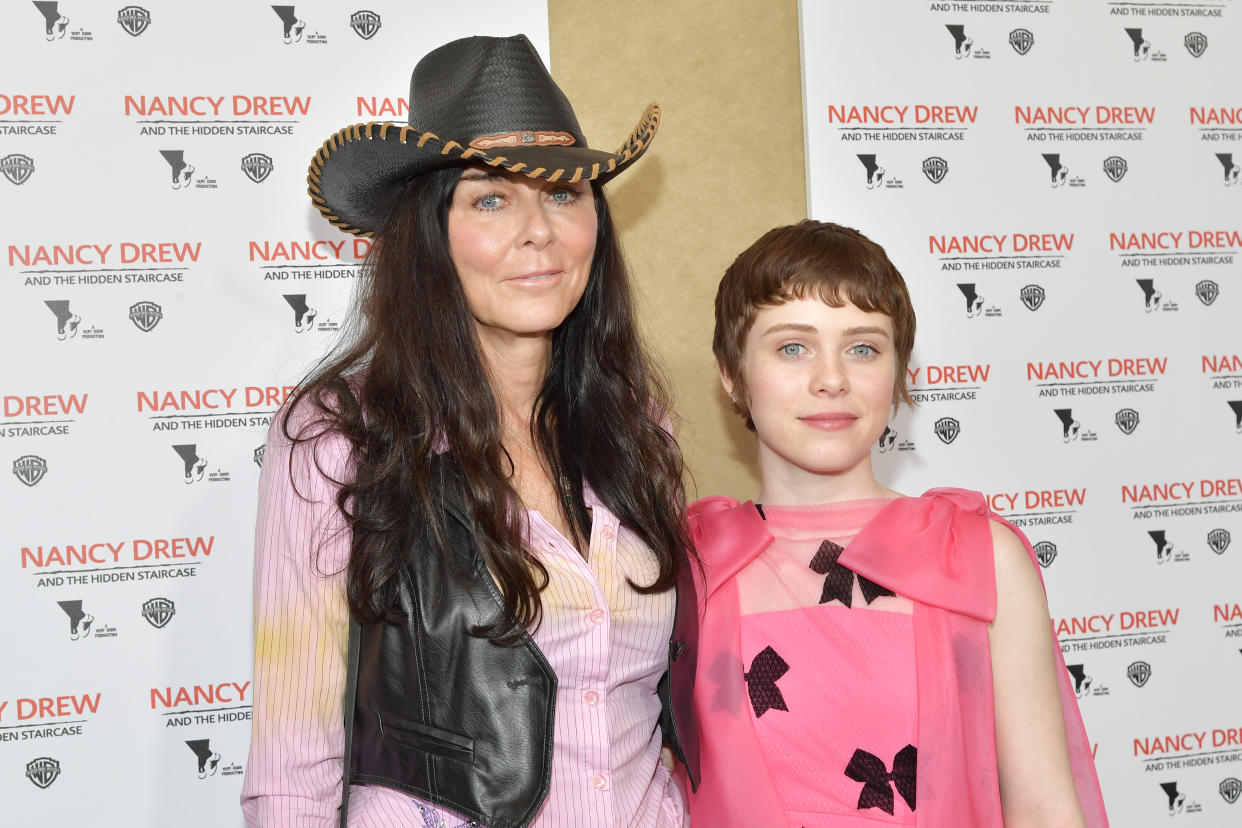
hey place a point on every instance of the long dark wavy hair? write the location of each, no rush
(412, 381)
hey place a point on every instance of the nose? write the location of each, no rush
(829, 376)
(536, 230)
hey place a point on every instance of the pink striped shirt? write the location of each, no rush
(607, 643)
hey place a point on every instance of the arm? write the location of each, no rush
(1036, 784)
(293, 776)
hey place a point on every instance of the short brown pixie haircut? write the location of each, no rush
(813, 259)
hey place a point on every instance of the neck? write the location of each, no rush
(517, 365)
(787, 485)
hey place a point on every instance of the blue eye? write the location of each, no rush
(792, 349)
(488, 202)
(862, 349)
(563, 196)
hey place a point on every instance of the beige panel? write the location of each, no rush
(726, 166)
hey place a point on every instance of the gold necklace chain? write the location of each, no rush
(562, 482)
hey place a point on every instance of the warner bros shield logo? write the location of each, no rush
(42, 771)
(29, 469)
(1218, 540)
(1045, 553)
(1127, 420)
(145, 315)
(257, 166)
(365, 23)
(935, 168)
(1196, 44)
(1230, 789)
(1115, 167)
(1032, 296)
(1139, 672)
(947, 429)
(1021, 40)
(158, 612)
(17, 168)
(1207, 291)
(134, 19)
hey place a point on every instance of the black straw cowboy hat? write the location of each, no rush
(486, 100)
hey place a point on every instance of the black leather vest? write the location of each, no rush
(463, 723)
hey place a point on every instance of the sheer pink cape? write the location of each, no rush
(937, 551)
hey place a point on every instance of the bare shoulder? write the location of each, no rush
(1018, 583)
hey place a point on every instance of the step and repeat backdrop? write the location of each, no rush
(165, 285)
(1059, 183)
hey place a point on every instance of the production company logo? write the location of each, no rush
(55, 24)
(303, 314)
(947, 429)
(1071, 429)
(80, 620)
(1021, 40)
(134, 19)
(1230, 789)
(1151, 296)
(1045, 553)
(1084, 685)
(1127, 419)
(1032, 296)
(195, 466)
(1233, 173)
(1196, 43)
(208, 760)
(293, 27)
(257, 166)
(158, 612)
(888, 439)
(1142, 47)
(974, 302)
(44, 770)
(258, 455)
(1164, 546)
(1059, 173)
(67, 322)
(30, 469)
(875, 173)
(1177, 801)
(182, 171)
(1115, 168)
(1236, 407)
(963, 44)
(935, 168)
(1218, 540)
(1207, 291)
(1138, 672)
(365, 23)
(145, 315)
(17, 168)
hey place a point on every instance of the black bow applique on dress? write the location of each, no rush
(765, 669)
(869, 769)
(839, 580)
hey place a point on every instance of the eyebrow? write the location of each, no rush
(856, 331)
(481, 175)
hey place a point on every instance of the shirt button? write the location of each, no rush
(599, 782)
(591, 697)
(607, 534)
(596, 616)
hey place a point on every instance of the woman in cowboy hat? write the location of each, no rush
(483, 481)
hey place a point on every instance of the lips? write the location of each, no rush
(830, 420)
(535, 278)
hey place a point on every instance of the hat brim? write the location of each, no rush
(357, 174)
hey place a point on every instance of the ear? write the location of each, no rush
(725, 379)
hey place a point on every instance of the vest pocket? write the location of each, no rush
(426, 738)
